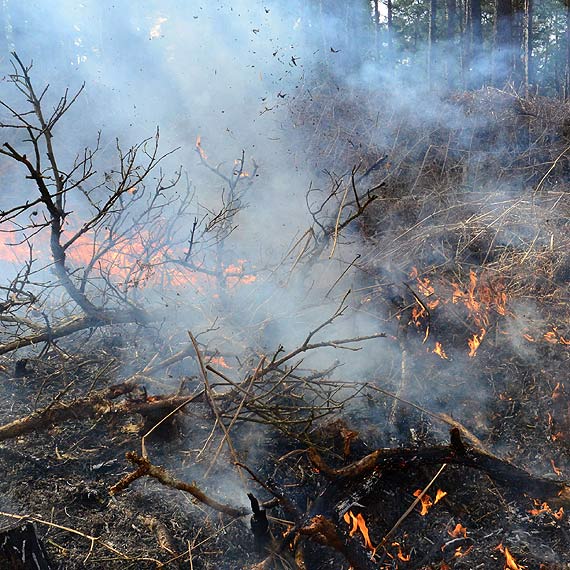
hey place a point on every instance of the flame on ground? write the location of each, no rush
(439, 495)
(426, 502)
(219, 361)
(460, 553)
(439, 351)
(458, 532)
(475, 342)
(510, 562)
(358, 523)
(544, 507)
(403, 557)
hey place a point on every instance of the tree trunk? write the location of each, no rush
(377, 29)
(432, 38)
(451, 61)
(527, 45)
(476, 27)
(502, 64)
(390, 31)
(567, 62)
(474, 47)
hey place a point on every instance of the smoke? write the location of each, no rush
(285, 84)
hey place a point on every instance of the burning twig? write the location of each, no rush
(146, 468)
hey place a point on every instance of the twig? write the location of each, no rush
(146, 468)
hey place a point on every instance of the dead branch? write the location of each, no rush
(146, 468)
(457, 453)
(96, 405)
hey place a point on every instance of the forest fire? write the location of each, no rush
(400, 554)
(440, 351)
(475, 341)
(199, 148)
(458, 531)
(212, 362)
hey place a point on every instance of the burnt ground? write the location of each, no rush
(512, 395)
(62, 475)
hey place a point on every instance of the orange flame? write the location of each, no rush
(239, 169)
(554, 337)
(426, 502)
(439, 351)
(439, 495)
(510, 562)
(219, 361)
(475, 342)
(460, 553)
(358, 524)
(544, 507)
(458, 532)
(403, 557)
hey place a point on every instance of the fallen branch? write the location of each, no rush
(457, 453)
(97, 405)
(146, 468)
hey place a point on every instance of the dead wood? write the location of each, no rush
(96, 405)
(163, 536)
(146, 468)
(77, 323)
(457, 453)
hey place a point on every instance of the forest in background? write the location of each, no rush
(461, 44)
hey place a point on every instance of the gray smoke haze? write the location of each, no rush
(227, 72)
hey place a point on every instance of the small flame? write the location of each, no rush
(458, 532)
(219, 361)
(238, 170)
(475, 342)
(554, 337)
(439, 495)
(510, 562)
(199, 148)
(403, 557)
(439, 351)
(426, 502)
(544, 507)
(460, 553)
(358, 524)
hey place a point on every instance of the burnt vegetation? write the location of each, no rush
(388, 390)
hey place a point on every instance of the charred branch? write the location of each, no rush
(457, 453)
